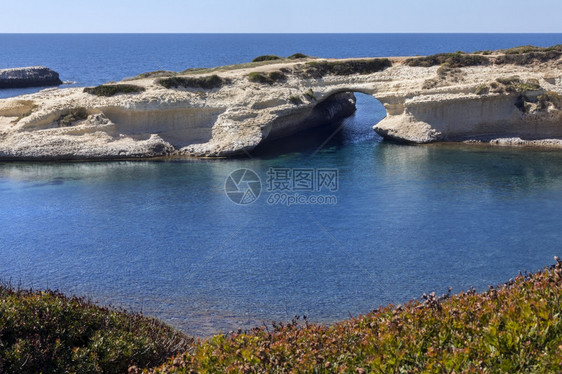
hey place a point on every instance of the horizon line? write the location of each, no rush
(277, 33)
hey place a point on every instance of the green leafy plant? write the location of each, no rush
(113, 89)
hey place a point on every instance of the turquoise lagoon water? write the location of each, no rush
(162, 236)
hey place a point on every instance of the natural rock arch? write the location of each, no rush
(241, 113)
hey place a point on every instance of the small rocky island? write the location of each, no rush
(500, 97)
(33, 76)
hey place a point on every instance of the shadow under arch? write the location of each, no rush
(350, 126)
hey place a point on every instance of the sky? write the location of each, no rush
(284, 16)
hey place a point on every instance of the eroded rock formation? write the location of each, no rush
(230, 110)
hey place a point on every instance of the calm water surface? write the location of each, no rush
(163, 237)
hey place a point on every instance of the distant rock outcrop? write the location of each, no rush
(33, 76)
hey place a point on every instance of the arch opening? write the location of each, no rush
(346, 127)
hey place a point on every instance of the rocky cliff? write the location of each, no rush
(492, 97)
(34, 76)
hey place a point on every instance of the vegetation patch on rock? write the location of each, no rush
(208, 82)
(296, 56)
(527, 100)
(454, 60)
(156, 74)
(482, 89)
(547, 99)
(266, 58)
(525, 55)
(514, 84)
(528, 58)
(295, 100)
(267, 78)
(73, 115)
(47, 332)
(309, 94)
(533, 104)
(319, 69)
(114, 89)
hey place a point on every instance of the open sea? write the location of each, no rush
(162, 237)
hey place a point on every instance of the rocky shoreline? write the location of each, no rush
(227, 111)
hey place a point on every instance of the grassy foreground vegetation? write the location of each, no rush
(50, 333)
(513, 328)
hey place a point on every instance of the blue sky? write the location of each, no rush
(285, 16)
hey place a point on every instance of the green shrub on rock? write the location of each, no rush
(156, 74)
(549, 97)
(113, 89)
(482, 89)
(309, 94)
(297, 56)
(75, 114)
(523, 59)
(294, 99)
(514, 84)
(528, 54)
(267, 78)
(454, 60)
(266, 58)
(319, 69)
(207, 83)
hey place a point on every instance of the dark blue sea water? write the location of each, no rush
(164, 238)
